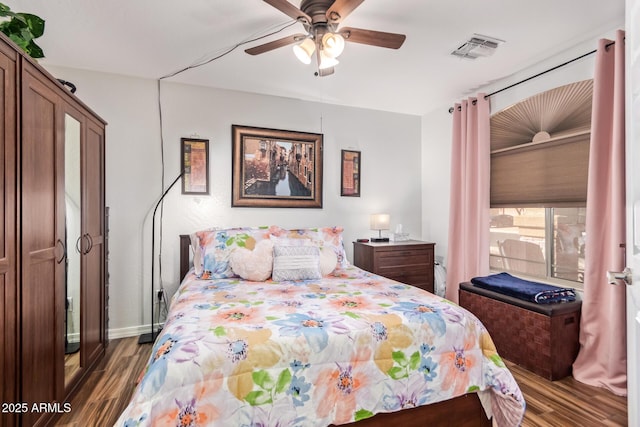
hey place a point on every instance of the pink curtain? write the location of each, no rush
(603, 350)
(468, 251)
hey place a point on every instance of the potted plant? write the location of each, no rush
(22, 29)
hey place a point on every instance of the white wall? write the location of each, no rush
(391, 177)
(405, 166)
(436, 131)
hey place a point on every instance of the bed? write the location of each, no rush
(347, 347)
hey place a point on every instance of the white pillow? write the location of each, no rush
(328, 260)
(296, 263)
(254, 265)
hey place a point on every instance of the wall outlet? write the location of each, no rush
(69, 304)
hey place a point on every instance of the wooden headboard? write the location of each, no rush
(185, 243)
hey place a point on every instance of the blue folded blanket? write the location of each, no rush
(526, 290)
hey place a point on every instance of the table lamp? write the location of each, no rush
(379, 222)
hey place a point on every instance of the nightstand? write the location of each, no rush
(409, 261)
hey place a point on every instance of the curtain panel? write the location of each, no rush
(602, 359)
(468, 251)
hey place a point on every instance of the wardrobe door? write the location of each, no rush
(93, 223)
(8, 255)
(43, 249)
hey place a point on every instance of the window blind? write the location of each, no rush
(543, 173)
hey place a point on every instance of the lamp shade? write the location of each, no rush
(380, 221)
(304, 50)
(333, 44)
(326, 61)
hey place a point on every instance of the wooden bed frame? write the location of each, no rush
(463, 411)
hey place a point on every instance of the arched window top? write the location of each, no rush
(563, 110)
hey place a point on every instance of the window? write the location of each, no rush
(538, 189)
(545, 243)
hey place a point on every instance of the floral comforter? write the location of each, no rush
(314, 353)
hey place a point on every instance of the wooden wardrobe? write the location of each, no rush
(52, 228)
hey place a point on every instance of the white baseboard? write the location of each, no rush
(130, 331)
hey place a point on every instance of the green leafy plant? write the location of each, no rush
(22, 29)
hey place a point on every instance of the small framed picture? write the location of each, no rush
(195, 166)
(350, 173)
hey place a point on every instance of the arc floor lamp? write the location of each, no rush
(151, 336)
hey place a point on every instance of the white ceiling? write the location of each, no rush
(153, 38)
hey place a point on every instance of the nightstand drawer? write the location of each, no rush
(405, 258)
(420, 270)
(415, 277)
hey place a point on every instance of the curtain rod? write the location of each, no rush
(541, 73)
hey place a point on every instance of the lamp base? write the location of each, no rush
(149, 338)
(379, 239)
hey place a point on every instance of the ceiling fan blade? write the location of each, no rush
(288, 9)
(340, 9)
(373, 38)
(257, 50)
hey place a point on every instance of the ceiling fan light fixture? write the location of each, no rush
(333, 44)
(327, 61)
(304, 50)
(321, 20)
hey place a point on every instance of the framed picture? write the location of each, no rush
(350, 173)
(276, 168)
(195, 166)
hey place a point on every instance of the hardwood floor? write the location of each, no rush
(567, 402)
(560, 403)
(71, 364)
(108, 389)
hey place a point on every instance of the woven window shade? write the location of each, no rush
(546, 174)
(540, 149)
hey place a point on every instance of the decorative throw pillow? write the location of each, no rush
(328, 260)
(254, 265)
(200, 236)
(219, 244)
(296, 263)
(330, 237)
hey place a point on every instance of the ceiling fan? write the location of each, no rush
(321, 19)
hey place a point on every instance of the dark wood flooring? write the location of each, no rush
(107, 390)
(563, 403)
(567, 402)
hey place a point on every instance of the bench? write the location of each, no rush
(542, 338)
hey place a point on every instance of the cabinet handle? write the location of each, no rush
(78, 248)
(89, 243)
(64, 251)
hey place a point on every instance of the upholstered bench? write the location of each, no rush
(542, 338)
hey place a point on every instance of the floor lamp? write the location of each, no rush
(151, 336)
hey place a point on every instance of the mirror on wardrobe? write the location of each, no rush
(73, 233)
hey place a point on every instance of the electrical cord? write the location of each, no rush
(281, 27)
(229, 50)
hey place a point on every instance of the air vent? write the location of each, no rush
(477, 46)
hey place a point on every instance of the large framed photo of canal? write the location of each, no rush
(276, 168)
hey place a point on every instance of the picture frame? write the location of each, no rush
(350, 173)
(274, 168)
(194, 164)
